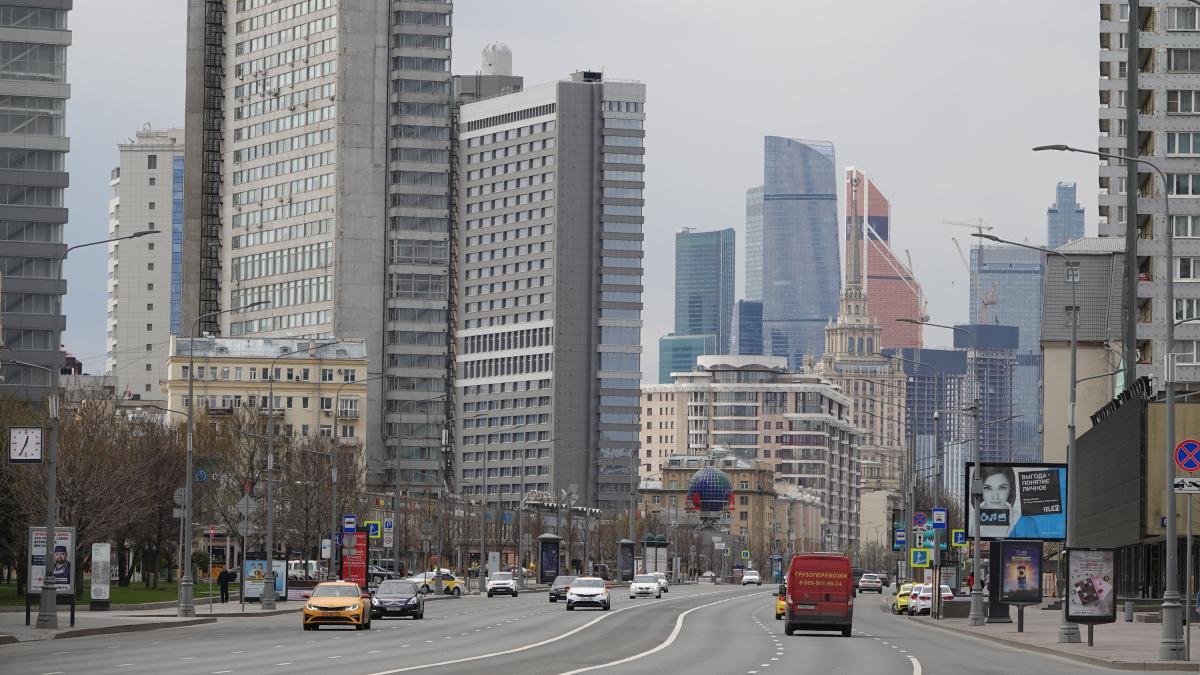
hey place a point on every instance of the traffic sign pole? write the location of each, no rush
(1187, 457)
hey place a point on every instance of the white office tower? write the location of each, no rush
(145, 275)
(550, 291)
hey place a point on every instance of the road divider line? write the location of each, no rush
(916, 665)
(550, 640)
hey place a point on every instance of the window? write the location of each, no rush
(1182, 101)
(150, 206)
(327, 374)
(1072, 273)
(326, 403)
(151, 181)
(149, 306)
(151, 161)
(348, 375)
(1187, 351)
(1183, 60)
(1183, 143)
(1187, 269)
(1186, 226)
(1187, 308)
(743, 515)
(150, 327)
(149, 266)
(147, 367)
(1183, 18)
(1183, 184)
(743, 485)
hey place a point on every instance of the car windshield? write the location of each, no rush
(588, 583)
(397, 588)
(871, 577)
(502, 576)
(645, 579)
(751, 573)
(563, 581)
(945, 590)
(336, 592)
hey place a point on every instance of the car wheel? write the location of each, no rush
(514, 594)
(424, 588)
(368, 626)
(632, 597)
(489, 594)
(606, 606)
(457, 591)
(778, 616)
(659, 596)
(789, 629)
(846, 631)
(553, 599)
(419, 615)
(570, 607)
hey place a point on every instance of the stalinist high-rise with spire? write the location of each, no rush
(875, 383)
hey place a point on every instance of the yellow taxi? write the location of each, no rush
(781, 602)
(900, 603)
(337, 603)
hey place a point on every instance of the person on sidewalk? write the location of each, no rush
(223, 580)
(970, 581)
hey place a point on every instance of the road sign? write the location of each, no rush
(919, 557)
(1187, 455)
(959, 536)
(201, 476)
(776, 556)
(180, 496)
(244, 529)
(917, 529)
(718, 545)
(919, 518)
(725, 551)
(1187, 485)
(901, 537)
(374, 529)
(389, 538)
(388, 525)
(939, 519)
(349, 523)
(246, 506)
(745, 554)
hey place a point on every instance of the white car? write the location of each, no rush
(662, 582)
(588, 592)
(644, 585)
(924, 600)
(751, 577)
(870, 582)
(501, 582)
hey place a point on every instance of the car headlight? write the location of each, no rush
(411, 601)
(374, 600)
(311, 607)
(352, 608)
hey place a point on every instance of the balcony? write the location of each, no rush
(349, 442)
(348, 414)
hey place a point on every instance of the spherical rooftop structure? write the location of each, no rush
(709, 490)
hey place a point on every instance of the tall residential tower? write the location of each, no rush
(1064, 218)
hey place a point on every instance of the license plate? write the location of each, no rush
(331, 613)
(806, 606)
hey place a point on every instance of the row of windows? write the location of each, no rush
(421, 109)
(514, 217)
(290, 101)
(421, 41)
(284, 123)
(283, 233)
(281, 190)
(511, 167)
(1183, 142)
(621, 244)
(269, 86)
(422, 18)
(1183, 184)
(419, 201)
(298, 142)
(417, 286)
(283, 261)
(411, 85)
(515, 268)
(515, 200)
(313, 161)
(511, 150)
(620, 158)
(427, 155)
(41, 340)
(416, 337)
(620, 192)
(622, 123)
(515, 116)
(282, 374)
(510, 252)
(511, 184)
(26, 231)
(22, 195)
(419, 223)
(634, 176)
(609, 227)
(282, 211)
(507, 472)
(506, 303)
(506, 319)
(422, 63)
(620, 296)
(620, 361)
(436, 384)
(1183, 101)
(416, 360)
(30, 303)
(36, 62)
(620, 335)
(33, 17)
(429, 178)
(632, 262)
(507, 365)
(418, 251)
(282, 14)
(507, 235)
(297, 32)
(32, 115)
(285, 294)
(280, 322)
(420, 132)
(626, 141)
(1183, 60)
(511, 134)
(620, 210)
(32, 160)
(301, 53)
(519, 339)
(416, 315)
(510, 285)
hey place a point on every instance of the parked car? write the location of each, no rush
(501, 582)
(900, 602)
(883, 577)
(427, 581)
(870, 582)
(644, 585)
(915, 595)
(662, 582)
(376, 575)
(820, 594)
(337, 603)
(924, 601)
(588, 592)
(709, 577)
(751, 577)
(558, 589)
(781, 602)
(396, 597)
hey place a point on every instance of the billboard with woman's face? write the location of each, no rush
(1018, 501)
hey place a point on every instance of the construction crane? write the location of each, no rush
(986, 300)
(924, 304)
(977, 226)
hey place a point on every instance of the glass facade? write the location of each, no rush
(704, 269)
(754, 242)
(677, 353)
(801, 261)
(176, 244)
(746, 328)
(1064, 218)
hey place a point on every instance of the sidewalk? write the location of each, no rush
(13, 628)
(1120, 645)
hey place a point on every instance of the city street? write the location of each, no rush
(698, 629)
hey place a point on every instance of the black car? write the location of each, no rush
(397, 598)
(558, 589)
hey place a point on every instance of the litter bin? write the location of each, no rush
(1128, 611)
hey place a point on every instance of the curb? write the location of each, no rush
(130, 628)
(229, 615)
(8, 640)
(1091, 660)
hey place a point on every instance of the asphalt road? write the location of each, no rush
(695, 629)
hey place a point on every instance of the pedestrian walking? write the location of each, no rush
(971, 581)
(223, 580)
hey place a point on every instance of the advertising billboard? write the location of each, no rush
(548, 557)
(355, 547)
(254, 576)
(1021, 564)
(1091, 585)
(1019, 501)
(62, 564)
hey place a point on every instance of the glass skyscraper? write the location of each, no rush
(801, 268)
(1064, 218)
(678, 353)
(704, 269)
(754, 243)
(746, 329)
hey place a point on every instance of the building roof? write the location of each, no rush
(216, 347)
(1094, 245)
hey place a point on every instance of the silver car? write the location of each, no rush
(644, 585)
(870, 582)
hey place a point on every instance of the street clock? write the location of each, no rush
(25, 445)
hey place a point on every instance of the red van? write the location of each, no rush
(820, 593)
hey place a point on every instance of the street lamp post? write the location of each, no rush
(333, 496)
(1067, 631)
(1171, 644)
(976, 617)
(396, 497)
(186, 607)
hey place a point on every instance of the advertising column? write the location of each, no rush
(101, 568)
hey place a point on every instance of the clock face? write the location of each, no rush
(25, 444)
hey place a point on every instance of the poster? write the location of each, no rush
(354, 557)
(1091, 585)
(101, 566)
(1019, 501)
(62, 558)
(254, 575)
(1021, 565)
(548, 557)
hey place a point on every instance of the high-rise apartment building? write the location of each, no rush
(754, 244)
(704, 278)
(991, 371)
(1168, 64)
(892, 291)
(752, 406)
(33, 154)
(1006, 290)
(936, 397)
(550, 301)
(145, 275)
(801, 268)
(1064, 218)
(318, 178)
(746, 328)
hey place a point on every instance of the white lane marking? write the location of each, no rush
(186, 658)
(122, 665)
(336, 656)
(285, 663)
(219, 672)
(240, 651)
(373, 651)
(916, 665)
(547, 640)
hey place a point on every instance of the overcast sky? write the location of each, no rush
(939, 101)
